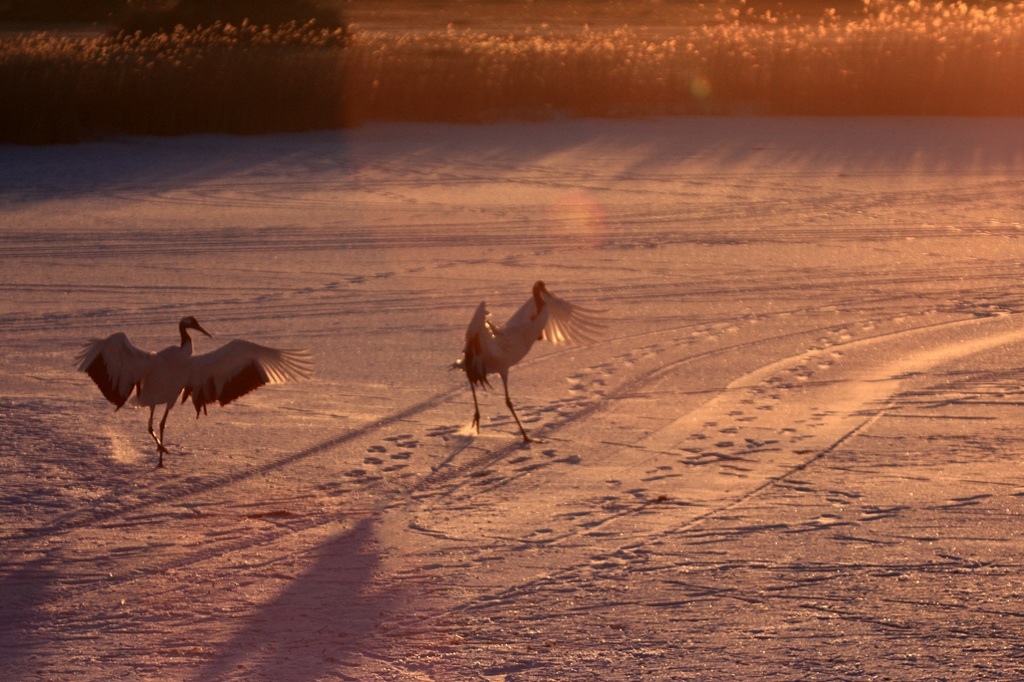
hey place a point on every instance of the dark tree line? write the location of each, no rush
(159, 14)
(59, 11)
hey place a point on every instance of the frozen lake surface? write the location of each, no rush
(794, 455)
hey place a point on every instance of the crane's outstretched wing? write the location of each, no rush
(472, 360)
(570, 323)
(115, 364)
(239, 367)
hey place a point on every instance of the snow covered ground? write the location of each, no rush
(796, 454)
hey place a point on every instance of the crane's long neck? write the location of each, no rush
(186, 340)
(538, 301)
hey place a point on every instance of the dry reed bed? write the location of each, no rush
(893, 58)
(246, 79)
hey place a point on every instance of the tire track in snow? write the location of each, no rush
(433, 488)
(110, 511)
(449, 471)
(586, 408)
(263, 542)
(873, 397)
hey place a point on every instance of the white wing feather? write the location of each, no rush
(570, 323)
(239, 367)
(115, 364)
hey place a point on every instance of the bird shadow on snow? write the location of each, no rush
(316, 625)
(113, 505)
(24, 591)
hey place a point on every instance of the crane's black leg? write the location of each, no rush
(152, 409)
(508, 401)
(160, 441)
(476, 408)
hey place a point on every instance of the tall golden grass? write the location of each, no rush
(222, 78)
(941, 58)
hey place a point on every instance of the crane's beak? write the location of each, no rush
(199, 328)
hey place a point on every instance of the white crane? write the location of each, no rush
(119, 368)
(491, 349)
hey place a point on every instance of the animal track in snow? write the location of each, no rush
(391, 455)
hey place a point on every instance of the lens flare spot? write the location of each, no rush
(579, 214)
(700, 88)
